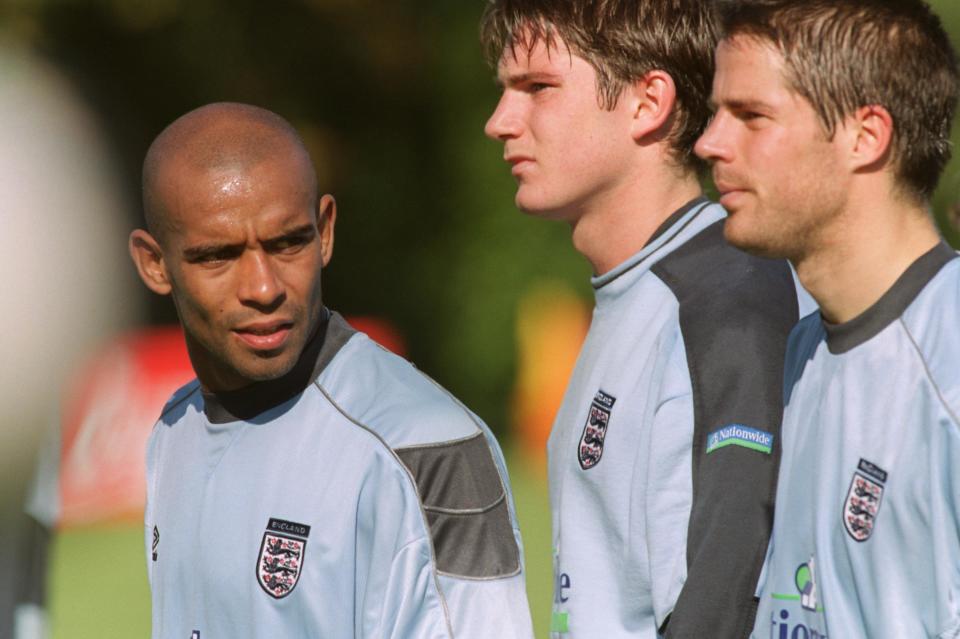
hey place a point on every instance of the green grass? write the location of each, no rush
(98, 584)
(529, 480)
(98, 581)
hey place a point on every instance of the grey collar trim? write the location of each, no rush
(248, 402)
(844, 337)
(599, 281)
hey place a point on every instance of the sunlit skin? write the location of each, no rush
(831, 205)
(241, 255)
(563, 148)
(607, 173)
(778, 175)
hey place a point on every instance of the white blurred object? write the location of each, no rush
(64, 277)
(31, 623)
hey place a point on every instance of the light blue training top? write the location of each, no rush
(353, 497)
(866, 540)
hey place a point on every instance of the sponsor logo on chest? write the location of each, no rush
(590, 447)
(862, 505)
(781, 624)
(282, 553)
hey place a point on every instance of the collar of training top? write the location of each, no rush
(248, 402)
(891, 305)
(599, 281)
(675, 217)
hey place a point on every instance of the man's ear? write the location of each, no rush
(871, 135)
(326, 219)
(652, 99)
(148, 258)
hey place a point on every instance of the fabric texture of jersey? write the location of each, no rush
(866, 539)
(663, 456)
(353, 497)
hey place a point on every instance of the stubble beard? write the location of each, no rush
(788, 232)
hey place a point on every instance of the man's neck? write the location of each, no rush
(869, 249)
(617, 224)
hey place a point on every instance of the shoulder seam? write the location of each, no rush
(503, 485)
(181, 400)
(467, 511)
(413, 484)
(929, 374)
(441, 444)
(466, 411)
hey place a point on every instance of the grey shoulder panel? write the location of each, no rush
(736, 311)
(466, 507)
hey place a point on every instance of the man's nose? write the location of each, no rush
(259, 283)
(712, 145)
(504, 122)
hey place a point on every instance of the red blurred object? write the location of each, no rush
(111, 406)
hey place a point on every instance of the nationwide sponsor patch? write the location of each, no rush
(862, 505)
(590, 449)
(740, 435)
(282, 552)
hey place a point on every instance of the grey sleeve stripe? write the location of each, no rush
(410, 478)
(466, 508)
(736, 312)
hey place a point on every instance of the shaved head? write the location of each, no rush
(216, 137)
(237, 237)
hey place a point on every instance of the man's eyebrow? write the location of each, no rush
(523, 78)
(302, 231)
(199, 251)
(740, 104)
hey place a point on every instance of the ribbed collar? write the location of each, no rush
(248, 402)
(891, 305)
(673, 226)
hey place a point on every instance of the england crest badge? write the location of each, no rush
(863, 500)
(590, 448)
(281, 557)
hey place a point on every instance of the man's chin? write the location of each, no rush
(749, 240)
(535, 207)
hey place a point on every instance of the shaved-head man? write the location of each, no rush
(308, 483)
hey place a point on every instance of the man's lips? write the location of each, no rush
(518, 162)
(730, 193)
(264, 336)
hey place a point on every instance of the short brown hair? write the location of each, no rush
(623, 40)
(845, 54)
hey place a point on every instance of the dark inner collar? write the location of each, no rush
(250, 401)
(891, 305)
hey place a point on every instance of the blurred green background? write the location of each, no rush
(391, 98)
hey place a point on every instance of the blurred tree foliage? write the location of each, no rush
(391, 98)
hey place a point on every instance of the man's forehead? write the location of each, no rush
(748, 65)
(527, 55)
(754, 52)
(193, 196)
